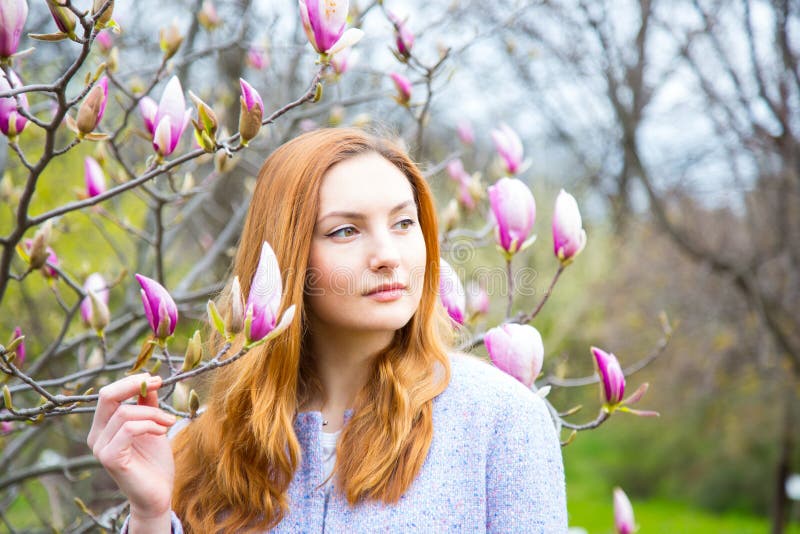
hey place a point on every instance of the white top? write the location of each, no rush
(328, 441)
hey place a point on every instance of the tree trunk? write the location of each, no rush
(780, 501)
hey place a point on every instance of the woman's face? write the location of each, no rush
(367, 260)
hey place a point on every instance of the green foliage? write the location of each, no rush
(592, 463)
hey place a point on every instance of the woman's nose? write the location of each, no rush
(385, 253)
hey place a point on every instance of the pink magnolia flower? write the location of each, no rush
(6, 427)
(97, 284)
(455, 169)
(509, 146)
(208, 16)
(104, 41)
(11, 121)
(94, 176)
(257, 58)
(324, 22)
(13, 14)
(516, 349)
(404, 38)
(52, 259)
(171, 118)
(148, 108)
(611, 376)
(403, 88)
(342, 61)
(623, 513)
(451, 292)
(264, 299)
(465, 196)
(569, 237)
(514, 210)
(477, 298)
(20, 350)
(159, 307)
(465, 133)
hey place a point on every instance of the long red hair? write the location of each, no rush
(234, 463)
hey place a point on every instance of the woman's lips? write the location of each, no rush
(388, 294)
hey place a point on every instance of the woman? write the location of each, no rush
(356, 418)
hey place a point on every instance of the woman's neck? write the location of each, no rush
(343, 363)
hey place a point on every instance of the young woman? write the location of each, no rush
(357, 418)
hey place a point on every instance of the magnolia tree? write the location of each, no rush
(125, 134)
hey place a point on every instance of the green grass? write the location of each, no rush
(589, 500)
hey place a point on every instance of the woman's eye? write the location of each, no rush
(345, 231)
(405, 224)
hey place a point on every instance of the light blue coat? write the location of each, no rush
(494, 465)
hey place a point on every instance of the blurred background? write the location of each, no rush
(676, 125)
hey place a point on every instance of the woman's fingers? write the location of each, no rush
(112, 395)
(116, 454)
(130, 412)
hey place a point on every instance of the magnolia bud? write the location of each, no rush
(92, 107)
(214, 318)
(205, 127)
(170, 40)
(180, 397)
(100, 314)
(234, 318)
(450, 215)
(163, 330)
(112, 63)
(37, 248)
(194, 403)
(251, 112)
(194, 352)
(208, 17)
(7, 398)
(63, 17)
(38, 252)
(105, 18)
(249, 121)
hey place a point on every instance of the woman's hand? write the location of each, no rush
(131, 443)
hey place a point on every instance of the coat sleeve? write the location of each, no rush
(525, 487)
(177, 527)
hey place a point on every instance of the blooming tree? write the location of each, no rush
(125, 131)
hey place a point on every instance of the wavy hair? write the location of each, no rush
(235, 463)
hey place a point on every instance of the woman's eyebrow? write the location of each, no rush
(361, 216)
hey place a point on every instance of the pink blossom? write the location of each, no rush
(611, 376)
(13, 14)
(451, 292)
(623, 513)
(514, 210)
(171, 118)
(324, 23)
(12, 122)
(516, 349)
(97, 284)
(569, 237)
(159, 307)
(94, 177)
(465, 133)
(509, 146)
(403, 86)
